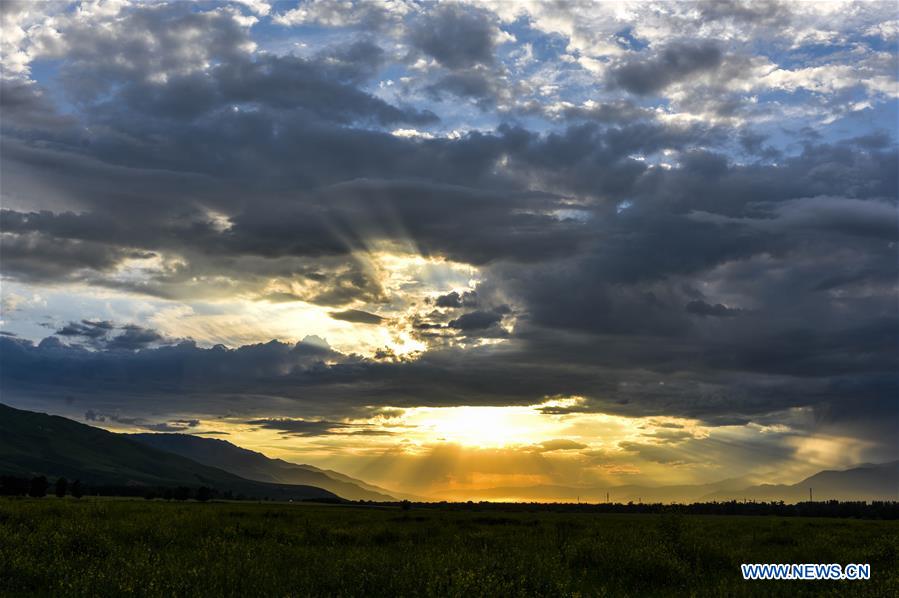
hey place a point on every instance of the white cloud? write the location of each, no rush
(260, 7)
(411, 133)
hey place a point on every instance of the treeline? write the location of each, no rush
(39, 486)
(831, 508)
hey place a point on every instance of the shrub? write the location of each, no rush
(77, 490)
(38, 487)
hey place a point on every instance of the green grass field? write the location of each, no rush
(111, 547)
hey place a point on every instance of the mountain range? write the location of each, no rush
(864, 482)
(40, 444)
(256, 466)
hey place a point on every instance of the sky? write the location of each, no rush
(460, 245)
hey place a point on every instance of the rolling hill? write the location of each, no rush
(40, 444)
(256, 466)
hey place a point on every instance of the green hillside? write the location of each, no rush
(256, 466)
(39, 444)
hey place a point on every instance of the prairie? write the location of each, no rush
(103, 547)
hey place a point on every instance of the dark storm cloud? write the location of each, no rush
(296, 381)
(297, 427)
(676, 62)
(503, 223)
(476, 320)
(479, 86)
(179, 425)
(106, 335)
(306, 428)
(353, 63)
(455, 299)
(701, 308)
(322, 90)
(176, 425)
(86, 328)
(464, 223)
(456, 36)
(42, 258)
(746, 12)
(25, 105)
(133, 338)
(357, 315)
(290, 83)
(607, 112)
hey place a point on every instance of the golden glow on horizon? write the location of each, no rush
(451, 452)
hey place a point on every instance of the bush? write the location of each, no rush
(13, 486)
(38, 487)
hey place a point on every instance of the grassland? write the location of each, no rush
(68, 547)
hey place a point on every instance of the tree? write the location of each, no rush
(204, 493)
(181, 493)
(13, 486)
(62, 485)
(38, 487)
(77, 490)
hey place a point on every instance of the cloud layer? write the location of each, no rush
(663, 211)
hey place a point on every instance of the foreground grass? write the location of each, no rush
(103, 548)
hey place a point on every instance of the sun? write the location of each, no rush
(483, 427)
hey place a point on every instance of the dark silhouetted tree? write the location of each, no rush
(181, 493)
(405, 505)
(62, 485)
(77, 490)
(204, 493)
(38, 487)
(13, 486)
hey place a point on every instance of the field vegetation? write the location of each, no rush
(104, 547)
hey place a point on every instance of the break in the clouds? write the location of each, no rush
(322, 223)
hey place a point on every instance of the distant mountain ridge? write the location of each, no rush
(864, 482)
(256, 466)
(39, 444)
